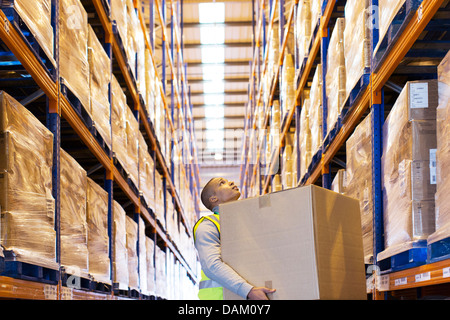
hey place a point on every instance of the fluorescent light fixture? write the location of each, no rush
(211, 12)
(215, 124)
(218, 156)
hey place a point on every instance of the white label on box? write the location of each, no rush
(432, 166)
(423, 277)
(418, 95)
(446, 272)
(401, 281)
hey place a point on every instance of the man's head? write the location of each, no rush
(217, 191)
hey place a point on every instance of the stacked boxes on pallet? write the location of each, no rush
(315, 111)
(160, 272)
(119, 16)
(41, 28)
(98, 240)
(358, 183)
(146, 176)
(356, 42)
(26, 201)
(99, 81)
(150, 245)
(142, 257)
(133, 264)
(73, 57)
(74, 232)
(335, 77)
(305, 138)
(287, 84)
(120, 251)
(442, 154)
(303, 29)
(409, 133)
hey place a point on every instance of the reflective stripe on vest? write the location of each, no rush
(209, 289)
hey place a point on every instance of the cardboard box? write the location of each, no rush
(305, 242)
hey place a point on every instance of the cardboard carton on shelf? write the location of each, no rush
(305, 242)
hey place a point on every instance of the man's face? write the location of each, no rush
(225, 190)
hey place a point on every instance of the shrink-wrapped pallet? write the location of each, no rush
(315, 111)
(41, 28)
(316, 12)
(339, 182)
(409, 133)
(27, 206)
(303, 29)
(359, 179)
(150, 86)
(140, 61)
(275, 126)
(146, 173)
(73, 58)
(159, 199)
(99, 81)
(160, 270)
(74, 233)
(287, 84)
(305, 138)
(442, 154)
(142, 258)
(356, 42)
(151, 287)
(120, 252)
(274, 50)
(133, 263)
(387, 10)
(98, 239)
(132, 155)
(131, 48)
(119, 15)
(335, 77)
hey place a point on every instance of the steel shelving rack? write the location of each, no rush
(60, 114)
(429, 15)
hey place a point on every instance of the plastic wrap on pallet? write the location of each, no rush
(316, 12)
(146, 173)
(150, 86)
(275, 126)
(119, 15)
(133, 264)
(287, 84)
(119, 123)
(99, 81)
(274, 50)
(442, 154)
(315, 111)
(150, 244)
(303, 28)
(41, 28)
(305, 138)
(132, 130)
(160, 270)
(142, 258)
(98, 239)
(140, 61)
(159, 199)
(339, 182)
(359, 179)
(287, 168)
(356, 42)
(26, 201)
(120, 252)
(73, 59)
(387, 9)
(133, 25)
(409, 133)
(335, 77)
(74, 236)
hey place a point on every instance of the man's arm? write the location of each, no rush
(208, 246)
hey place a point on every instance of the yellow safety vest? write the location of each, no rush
(209, 289)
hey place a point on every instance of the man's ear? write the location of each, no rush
(213, 199)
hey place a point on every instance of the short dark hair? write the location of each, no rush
(206, 194)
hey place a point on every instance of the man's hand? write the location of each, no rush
(259, 293)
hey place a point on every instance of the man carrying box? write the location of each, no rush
(215, 273)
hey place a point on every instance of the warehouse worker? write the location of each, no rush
(215, 273)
